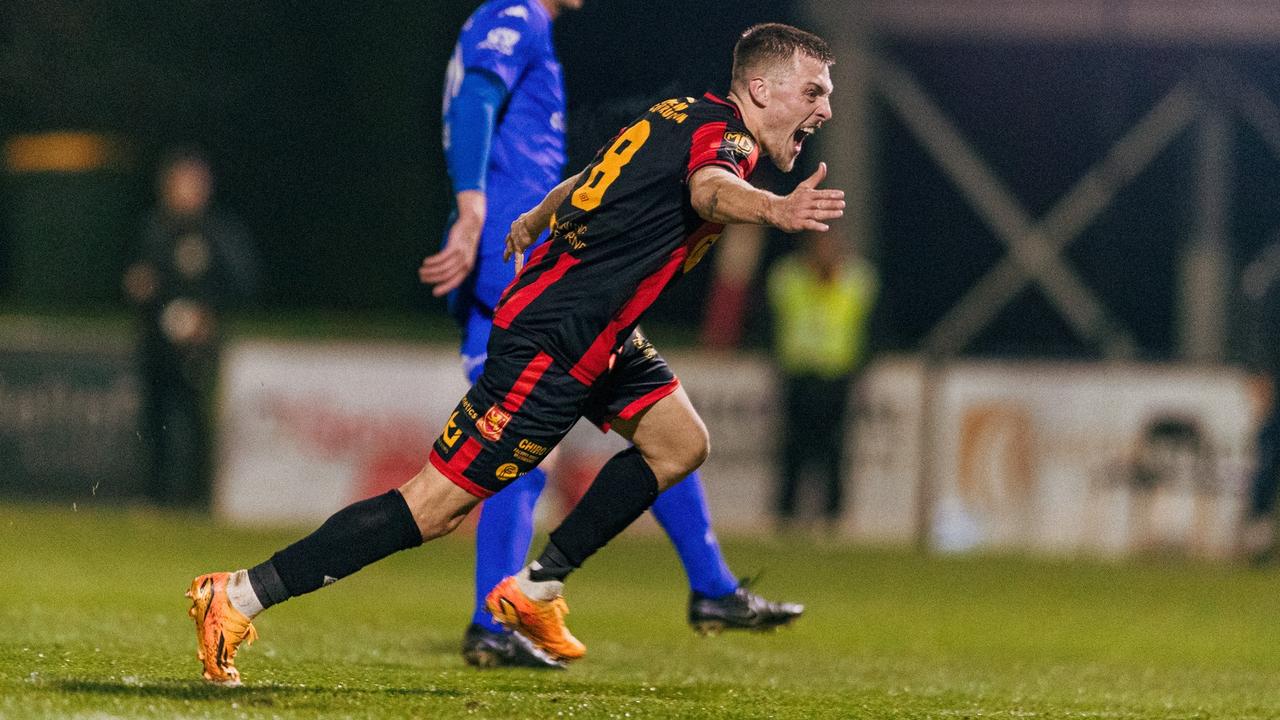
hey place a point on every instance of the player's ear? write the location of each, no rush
(758, 89)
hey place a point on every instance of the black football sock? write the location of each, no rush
(355, 536)
(623, 490)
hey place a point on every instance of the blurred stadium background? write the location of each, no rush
(1059, 197)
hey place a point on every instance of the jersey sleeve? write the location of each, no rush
(724, 143)
(501, 41)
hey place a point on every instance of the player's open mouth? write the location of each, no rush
(801, 134)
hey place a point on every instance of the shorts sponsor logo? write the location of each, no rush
(451, 431)
(470, 409)
(493, 423)
(642, 344)
(530, 452)
(507, 471)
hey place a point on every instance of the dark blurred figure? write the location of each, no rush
(1260, 287)
(191, 265)
(821, 298)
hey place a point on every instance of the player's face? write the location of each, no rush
(799, 102)
(569, 4)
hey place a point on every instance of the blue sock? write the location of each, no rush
(682, 512)
(503, 536)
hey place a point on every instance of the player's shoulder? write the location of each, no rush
(710, 107)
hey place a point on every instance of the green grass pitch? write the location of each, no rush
(93, 625)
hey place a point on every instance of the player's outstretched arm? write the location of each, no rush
(526, 229)
(720, 196)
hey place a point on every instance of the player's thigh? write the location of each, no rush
(670, 435)
(520, 407)
(642, 400)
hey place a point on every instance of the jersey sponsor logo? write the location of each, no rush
(739, 143)
(572, 233)
(507, 471)
(672, 109)
(451, 431)
(519, 11)
(493, 423)
(501, 40)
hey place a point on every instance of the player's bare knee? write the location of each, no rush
(677, 459)
(438, 506)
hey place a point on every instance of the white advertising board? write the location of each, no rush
(1055, 458)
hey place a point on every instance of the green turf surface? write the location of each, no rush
(93, 625)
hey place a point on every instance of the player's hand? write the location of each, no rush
(449, 268)
(518, 240)
(808, 207)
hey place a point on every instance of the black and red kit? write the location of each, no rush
(562, 344)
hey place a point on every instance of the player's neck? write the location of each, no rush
(746, 110)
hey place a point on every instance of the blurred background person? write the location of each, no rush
(192, 263)
(1260, 287)
(821, 298)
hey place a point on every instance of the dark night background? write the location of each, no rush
(322, 121)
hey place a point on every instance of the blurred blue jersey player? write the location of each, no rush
(504, 141)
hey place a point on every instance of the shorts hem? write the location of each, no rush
(643, 402)
(458, 478)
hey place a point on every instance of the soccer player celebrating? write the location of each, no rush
(632, 222)
(505, 147)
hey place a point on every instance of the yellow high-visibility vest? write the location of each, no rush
(820, 326)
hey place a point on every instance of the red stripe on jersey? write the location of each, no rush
(748, 164)
(520, 299)
(726, 103)
(596, 359)
(705, 149)
(524, 384)
(457, 465)
(537, 254)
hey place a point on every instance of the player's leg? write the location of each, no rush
(683, 514)
(1257, 539)
(475, 456)
(224, 604)
(832, 436)
(669, 441)
(503, 532)
(717, 600)
(793, 454)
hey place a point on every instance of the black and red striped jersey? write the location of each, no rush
(625, 233)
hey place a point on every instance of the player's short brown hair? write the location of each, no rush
(775, 42)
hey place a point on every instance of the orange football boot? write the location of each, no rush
(541, 621)
(220, 628)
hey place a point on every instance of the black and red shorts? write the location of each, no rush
(525, 402)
